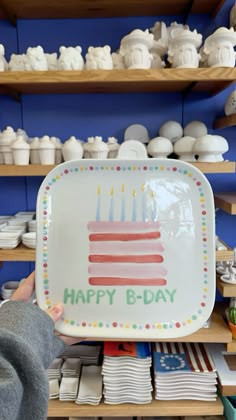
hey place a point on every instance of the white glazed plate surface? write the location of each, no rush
(226, 279)
(127, 246)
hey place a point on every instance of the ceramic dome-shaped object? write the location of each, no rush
(210, 148)
(171, 130)
(195, 129)
(160, 147)
(72, 149)
(47, 151)
(21, 151)
(58, 152)
(184, 148)
(230, 104)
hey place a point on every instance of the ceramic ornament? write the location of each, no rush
(7, 138)
(183, 49)
(47, 151)
(171, 130)
(87, 147)
(58, 152)
(219, 48)
(35, 59)
(159, 147)
(99, 58)
(113, 147)
(136, 132)
(132, 149)
(230, 105)
(17, 62)
(195, 129)
(70, 58)
(34, 151)
(160, 44)
(210, 148)
(175, 29)
(72, 149)
(184, 148)
(52, 61)
(135, 48)
(21, 151)
(117, 60)
(3, 61)
(99, 149)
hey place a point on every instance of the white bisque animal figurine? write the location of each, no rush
(52, 61)
(35, 59)
(3, 61)
(17, 62)
(99, 58)
(70, 58)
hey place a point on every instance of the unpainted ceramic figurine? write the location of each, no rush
(182, 52)
(35, 59)
(99, 58)
(70, 58)
(3, 61)
(52, 61)
(118, 61)
(219, 48)
(135, 48)
(17, 62)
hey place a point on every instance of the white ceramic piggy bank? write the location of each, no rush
(99, 58)
(70, 58)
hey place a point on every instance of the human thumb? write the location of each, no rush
(56, 311)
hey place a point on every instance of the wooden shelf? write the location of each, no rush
(211, 80)
(225, 255)
(43, 9)
(231, 348)
(227, 390)
(21, 253)
(43, 170)
(226, 202)
(163, 408)
(226, 290)
(224, 122)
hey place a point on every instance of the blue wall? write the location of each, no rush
(100, 114)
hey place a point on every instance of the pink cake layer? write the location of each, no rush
(117, 281)
(125, 247)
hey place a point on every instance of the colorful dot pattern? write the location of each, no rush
(124, 167)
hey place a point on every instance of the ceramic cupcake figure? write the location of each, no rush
(47, 151)
(87, 147)
(34, 151)
(99, 149)
(21, 151)
(8, 137)
(58, 152)
(72, 149)
(113, 147)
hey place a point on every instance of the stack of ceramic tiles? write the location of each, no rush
(183, 371)
(54, 375)
(126, 373)
(69, 385)
(90, 387)
(88, 354)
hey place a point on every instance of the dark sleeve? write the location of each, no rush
(27, 347)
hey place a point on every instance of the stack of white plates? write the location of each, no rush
(90, 386)
(9, 240)
(32, 226)
(25, 215)
(29, 239)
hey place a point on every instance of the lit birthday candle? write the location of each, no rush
(122, 216)
(134, 213)
(98, 204)
(111, 213)
(144, 210)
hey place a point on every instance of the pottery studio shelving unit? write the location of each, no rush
(210, 80)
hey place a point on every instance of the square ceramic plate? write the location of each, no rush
(128, 247)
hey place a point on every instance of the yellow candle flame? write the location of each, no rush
(152, 194)
(134, 193)
(143, 187)
(122, 188)
(99, 190)
(112, 191)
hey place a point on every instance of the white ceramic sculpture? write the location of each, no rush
(52, 61)
(184, 148)
(58, 152)
(159, 147)
(157, 53)
(35, 59)
(171, 130)
(219, 48)
(135, 47)
(34, 151)
(17, 62)
(195, 129)
(3, 61)
(230, 104)
(175, 29)
(47, 151)
(183, 49)
(8, 137)
(21, 151)
(113, 147)
(210, 148)
(72, 149)
(99, 149)
(70, 58)
(99, 58)
(160, 43)
(87, 147)
(117, 60)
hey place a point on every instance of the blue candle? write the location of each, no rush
(111, 213)
(144, 215)
(98, 204)
(134, 214)
(122, 216)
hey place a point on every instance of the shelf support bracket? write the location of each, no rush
(6, 90)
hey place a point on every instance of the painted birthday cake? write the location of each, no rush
(125, 253)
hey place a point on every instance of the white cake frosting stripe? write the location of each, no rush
(127, 270)
(122, 247)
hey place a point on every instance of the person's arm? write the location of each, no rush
(27, 347)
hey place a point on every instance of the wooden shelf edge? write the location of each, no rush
(227, 121)
(164, 408)
(43, 170)
(227, 390)
(231, 348)
(20, 253)
(225, 289)
(226, 201)
(225, 255)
